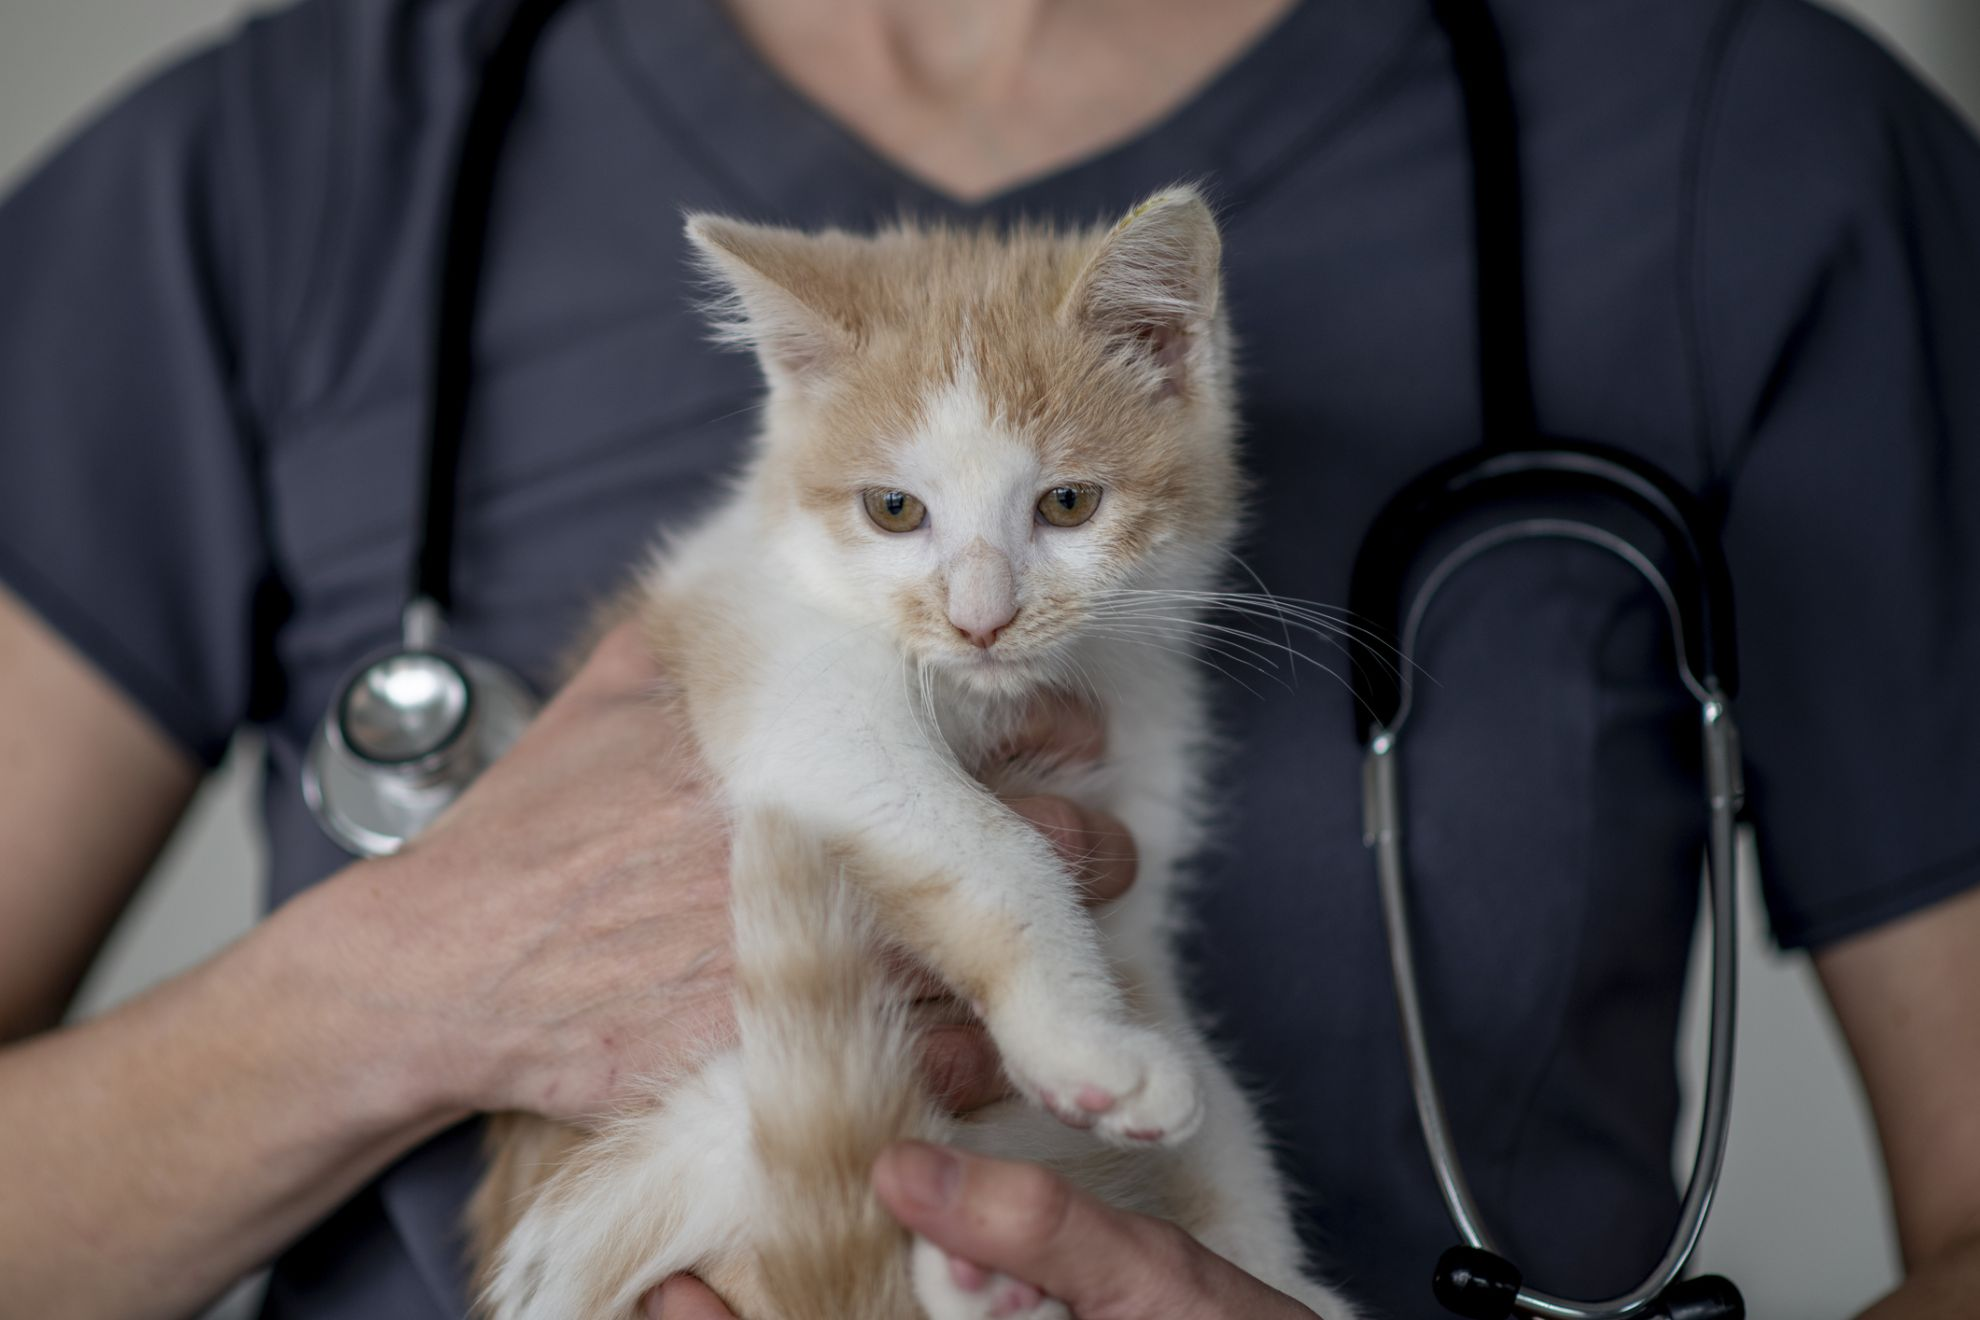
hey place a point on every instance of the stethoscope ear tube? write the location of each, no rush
(1699, 584)
(1475, 1280)
(1513, 466)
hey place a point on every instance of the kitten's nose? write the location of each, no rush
(983, 637)
(982, 595)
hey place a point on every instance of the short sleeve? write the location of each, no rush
(1837, 282)
(128, 515)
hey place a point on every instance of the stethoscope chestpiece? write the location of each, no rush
(411, 728)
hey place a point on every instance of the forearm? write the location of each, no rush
(152, 1156)
(1945, 1287)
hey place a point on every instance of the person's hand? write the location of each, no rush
(1028, 1224)
(1025, 1223)
(564, 929)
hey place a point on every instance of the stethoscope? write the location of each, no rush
(411, 727)
(1543, 490)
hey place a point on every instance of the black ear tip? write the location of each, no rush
(1476, 1284)
(1706, 1297)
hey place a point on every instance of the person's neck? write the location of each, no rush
(975, 95)
(945, 49)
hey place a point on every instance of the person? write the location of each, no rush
(1752, 262)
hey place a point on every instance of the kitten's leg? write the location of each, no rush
(988, 904)
(662, 1192)
(980, 896)
(1222, 1187)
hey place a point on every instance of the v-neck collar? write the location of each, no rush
(780, 156)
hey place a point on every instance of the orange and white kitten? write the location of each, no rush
(981, 455)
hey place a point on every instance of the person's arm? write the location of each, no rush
(154, 1155)
(66, 735)
(557, 935)
(1908, 997)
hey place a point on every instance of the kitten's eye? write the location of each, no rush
(1069, 505)
(895, 510)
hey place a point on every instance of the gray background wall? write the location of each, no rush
(1801, 1221)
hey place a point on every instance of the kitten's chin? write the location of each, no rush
(989, 673)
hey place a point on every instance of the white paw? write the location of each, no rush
(1132, 1086)
(956, 1290)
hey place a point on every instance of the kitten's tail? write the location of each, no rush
(830, 1072)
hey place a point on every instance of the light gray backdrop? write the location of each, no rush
(1801, 1220)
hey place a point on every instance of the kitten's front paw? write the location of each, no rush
(1132, 1086)
(956, 1290)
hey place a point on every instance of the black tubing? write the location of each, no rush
(458, 294)
(1498, 223)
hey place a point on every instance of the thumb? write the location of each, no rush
(1028, 1223)
(684, 1298)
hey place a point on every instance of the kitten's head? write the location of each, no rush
(972, 438)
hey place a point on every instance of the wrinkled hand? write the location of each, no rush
(1025, 1223)
(563, 929)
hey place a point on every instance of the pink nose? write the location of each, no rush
(983, 636)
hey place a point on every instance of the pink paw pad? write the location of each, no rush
(1014, 1297)
(1094, 1100)
(1077, 1118)
(967, 1275)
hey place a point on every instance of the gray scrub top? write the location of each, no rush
(1753, 242)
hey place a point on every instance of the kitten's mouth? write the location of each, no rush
(994, 665)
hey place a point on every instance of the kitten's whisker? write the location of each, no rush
(926, 722)
(1230, 639)
(1142, 635)
(1285, 612)
(1263, 590)
(1329, 670)
(1243, 638)
(1234, 650)
(1315, 612)
(1193, 655)
(1323, 630)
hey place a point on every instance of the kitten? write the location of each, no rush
(976, 449)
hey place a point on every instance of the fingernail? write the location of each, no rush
(927, 1175)
(968, 1275)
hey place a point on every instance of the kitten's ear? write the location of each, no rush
(776, 296)
(1153, 286)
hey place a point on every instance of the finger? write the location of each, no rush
(684, 1298)
(621, 661)
(1058, 727)
(962, 1068)
(1032, 1225)
(1097, 845)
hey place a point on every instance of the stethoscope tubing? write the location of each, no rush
(1515, 463)
(1383, 834)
